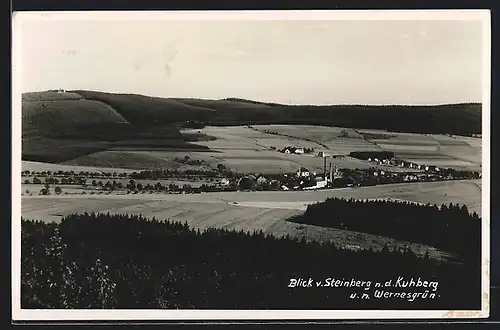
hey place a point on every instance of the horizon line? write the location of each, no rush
(243, 99)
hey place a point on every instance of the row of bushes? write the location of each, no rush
(122, 261)
(82, 174)
(221, 171)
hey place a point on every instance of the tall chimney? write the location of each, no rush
(324, 166)
(331, 173)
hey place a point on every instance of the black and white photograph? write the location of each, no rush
(267, 165)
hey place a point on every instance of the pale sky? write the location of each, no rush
(287, 61)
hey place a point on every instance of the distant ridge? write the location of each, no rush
(235, 99)
(67, 124)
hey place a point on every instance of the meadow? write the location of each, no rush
(204, 215)
(312, 132)
(40, 167)
(427, 149)
(51, 117)
(241, 145)
(239, 148)
(250, 211)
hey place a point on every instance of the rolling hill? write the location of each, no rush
(145, 110)
(58, 127)
(62, 126)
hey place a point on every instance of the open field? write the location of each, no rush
(204, 215)
(34, 189)
(315, 133)
(40, 167)
(244, 149)
(265, 211)
(137, 160)
(63, 116)
(245, 138)
(344, 146)
(427, 149)
(466, 192)
(240, 160)
(238, 147)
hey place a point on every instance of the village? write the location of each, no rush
(223, 179)
(334, 177)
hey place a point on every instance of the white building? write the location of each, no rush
(319, 184)
(224, 182)
(299, 151)
(323, 154)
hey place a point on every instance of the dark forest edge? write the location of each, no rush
(124, 261)
(445, 227)
(459, 119)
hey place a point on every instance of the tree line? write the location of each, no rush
(448, 227)
(74, 174)
(54, 180)
(221, 171)
(123, 261)
(457, 119)
(134, 186)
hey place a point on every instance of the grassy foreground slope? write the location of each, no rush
(62, 126)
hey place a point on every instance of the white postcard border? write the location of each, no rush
(19, 314)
